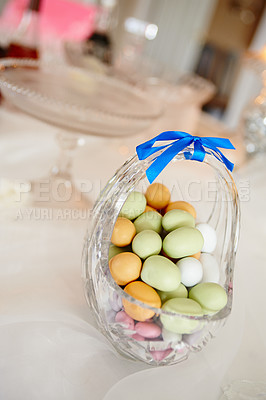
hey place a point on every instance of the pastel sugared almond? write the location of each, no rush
(149, 208)
(158, 195)
(144, 293)
(197, 255)
(181, 205)
(123, 233)
(125, 267)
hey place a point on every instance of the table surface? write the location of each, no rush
(49, 346)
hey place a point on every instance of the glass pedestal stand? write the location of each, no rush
(78, 102)
(58, 189)
(254, 123)
(253, 119)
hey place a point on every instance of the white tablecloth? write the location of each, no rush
(49, 346)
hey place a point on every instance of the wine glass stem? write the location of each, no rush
(67, 143)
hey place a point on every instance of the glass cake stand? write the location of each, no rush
(78, 102)
(253, 119)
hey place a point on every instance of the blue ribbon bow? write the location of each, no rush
(181, 140)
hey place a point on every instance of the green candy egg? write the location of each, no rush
(147, 243)
(149, 220)
(211, 296)
(176, 324)
(160, 273)
(134, 206)
(174, 219)
(114, 250)
(183, 242)
(181, 291)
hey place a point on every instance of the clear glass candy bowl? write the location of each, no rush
(208, 186)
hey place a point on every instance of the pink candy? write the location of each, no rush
(148, 329)
(138, 337)
(125, 319)
(158, 355)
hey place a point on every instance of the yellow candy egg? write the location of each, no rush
(125, 267)
(157, 195)
(181, 205)
(123, 233)
(144, 293)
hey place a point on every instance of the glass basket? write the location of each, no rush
(207, 185)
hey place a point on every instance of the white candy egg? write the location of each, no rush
(211, 272)
(193, 338)
(209, 236)
(171, 337)
(191, 271)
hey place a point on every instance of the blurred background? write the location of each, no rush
(155, 38)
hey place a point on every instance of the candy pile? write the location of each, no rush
(161, 257)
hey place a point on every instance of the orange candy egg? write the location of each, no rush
(149, 208)
(181, 205)
(123, 233)
(197, 255)
(157, 195)
(144, 293)
(125, 267)
(165, 255)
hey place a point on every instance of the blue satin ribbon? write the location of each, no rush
(181, 140)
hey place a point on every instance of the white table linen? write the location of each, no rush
(49, 346)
